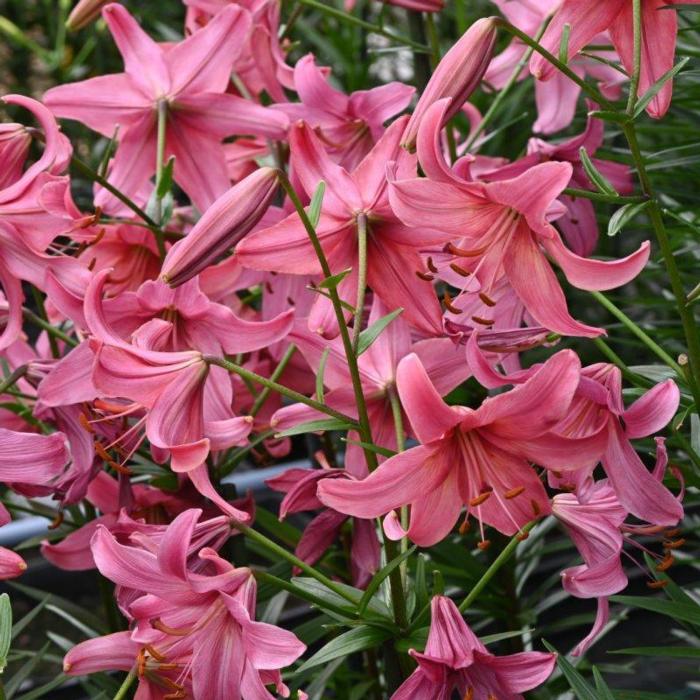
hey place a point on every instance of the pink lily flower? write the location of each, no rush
(187, 404)
(478, 458)
(505, 230)
(392, 248)
(299, 487)
(191, 78)
(196, 616)
(455, 660)
(556, 98)
(595, 521)
(348, 125)
(598, 408)
(659, 30)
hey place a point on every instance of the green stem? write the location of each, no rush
(13, 378)
(500, 560)
(619, 362)
(124, 689)
(398, 598)
(685, 312)
(551, 58)
(262, 396)
(376, 29)
(85, 170)
(295, 561)
(279, 388)
(636, 53)
(421, 61)
(361, 279)
(160, 167)
(503, 93)
(601, 197)
(636, 330)
(51, 330)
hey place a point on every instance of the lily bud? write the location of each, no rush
(230, 218)
(83, 13)
(456, 76)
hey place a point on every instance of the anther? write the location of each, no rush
(175, 632)
(487, 300)
(154, 652)
(85, 423)
(449, 305)
(431, 265)
(483, 321)
(469, 695)
(657, 585)
(674, 544)
(514, 492)
(535, 507)
(459, 270)
(57, 521)
(465, 526)
(484, 545)
(670, 534)
(522, 536)
(481, 498)
(424, 276)
(666, 563)
(461, 252)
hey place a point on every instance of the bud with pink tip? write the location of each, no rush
(230, 218)
(457, 75)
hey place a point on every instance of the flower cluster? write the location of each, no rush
(266, 256)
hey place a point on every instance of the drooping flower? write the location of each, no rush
(478, 458)
(456, 660)
(190, 78)
(503, 228)
(586, 20)
(194, 615)
(392, 248)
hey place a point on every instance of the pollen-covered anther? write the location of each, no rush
(426, 277)
(535, 507)
(57, 521)
(459, 270)
(486, 299)
(469, 695)
(447, 299)
(484, 545)
(179, 693)
(657, 585)
(431, 265)
(666, 563)
(513, 493)
(483, 321)
(85, 423)
(173, 631)
(103, 454)
(481, 498)
(674, 544)
(670, 534)
(465, 526)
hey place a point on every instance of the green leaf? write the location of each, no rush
(313, 426)
(313, 211)
(43, 690)
(654, 90)
(608, 116)
(350, 642)
(672, 652)
(600, 181)
(623, 216)
(321, 374)
(601, 686)
(334, 280)
(22, 623)
(578, 683)
(320, 591)
(25, 671)
(5, 629)
(380, 576)
(564, 43)
(687, 612)
(370, 334)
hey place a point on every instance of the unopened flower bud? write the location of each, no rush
(230, 218)
(457, 75)
(83, 13)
